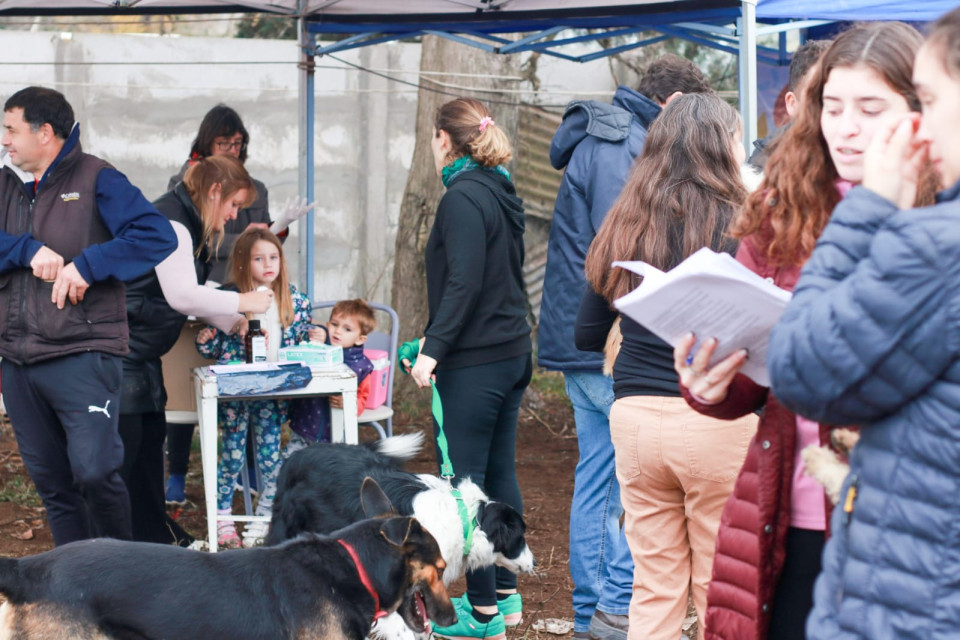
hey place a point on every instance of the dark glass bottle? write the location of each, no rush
(255, 343)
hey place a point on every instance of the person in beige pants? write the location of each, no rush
(675, 467)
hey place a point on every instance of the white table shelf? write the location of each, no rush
(341, 380)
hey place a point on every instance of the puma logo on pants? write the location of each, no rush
(92, 409)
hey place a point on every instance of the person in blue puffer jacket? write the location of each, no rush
(872, 337)
(596, 143)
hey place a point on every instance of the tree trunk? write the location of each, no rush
(424, 189)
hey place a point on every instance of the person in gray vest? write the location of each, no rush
(596, 144)
(69, 238)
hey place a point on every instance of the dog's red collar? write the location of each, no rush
(365, 580)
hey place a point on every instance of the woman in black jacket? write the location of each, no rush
(477, 341)
(158, 303)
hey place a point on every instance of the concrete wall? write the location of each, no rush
(143, 116)
(143, 113)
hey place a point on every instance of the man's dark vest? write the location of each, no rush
(154, 324)
(64, 216)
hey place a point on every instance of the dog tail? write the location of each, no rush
(402, 448)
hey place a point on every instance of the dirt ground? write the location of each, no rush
(546, 458)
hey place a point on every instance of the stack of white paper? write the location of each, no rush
(712, 295)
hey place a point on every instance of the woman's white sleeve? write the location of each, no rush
(178, 280)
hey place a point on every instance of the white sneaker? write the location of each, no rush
(254, 534)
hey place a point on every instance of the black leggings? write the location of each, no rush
(179, 442)
(480, 409)
(793, 599)
(142, 471)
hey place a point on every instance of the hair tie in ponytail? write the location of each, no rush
(485, 122)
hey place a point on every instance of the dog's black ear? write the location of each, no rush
(374, 501)
(397, 530)
(504, 527)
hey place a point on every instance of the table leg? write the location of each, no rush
(207, 417)
(349, 428)
(336, 424)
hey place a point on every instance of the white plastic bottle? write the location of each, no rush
(270, 321)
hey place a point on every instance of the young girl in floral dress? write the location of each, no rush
(256, 261)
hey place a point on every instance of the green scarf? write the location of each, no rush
(464, 164)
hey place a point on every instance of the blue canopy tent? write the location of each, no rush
(728, 25)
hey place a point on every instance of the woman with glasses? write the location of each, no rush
(222, 134)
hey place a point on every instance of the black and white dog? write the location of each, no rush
(318, 489)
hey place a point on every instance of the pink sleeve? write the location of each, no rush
(178, 280)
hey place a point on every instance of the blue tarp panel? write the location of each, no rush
(906, 10)
(505, 21)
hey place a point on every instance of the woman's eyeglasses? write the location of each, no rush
(238, 145)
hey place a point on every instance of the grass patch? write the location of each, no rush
(19, 490)
(550, 385)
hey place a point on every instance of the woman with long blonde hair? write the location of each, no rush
(675, 467)
(158, 303)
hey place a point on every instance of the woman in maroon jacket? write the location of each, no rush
(773, 526)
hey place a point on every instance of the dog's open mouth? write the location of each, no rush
(421, 610)
(414, 612)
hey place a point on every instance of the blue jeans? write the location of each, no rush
(600, 563)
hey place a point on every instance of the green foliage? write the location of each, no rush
(18, 489)
(267, 27)
(550, 385)
(720, 67)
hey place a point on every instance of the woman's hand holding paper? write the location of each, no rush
(709, 386)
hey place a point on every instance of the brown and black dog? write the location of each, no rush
(312, 587)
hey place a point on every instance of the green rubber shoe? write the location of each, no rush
(511, 607)
(467, 627)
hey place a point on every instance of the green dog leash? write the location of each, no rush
(409, 351)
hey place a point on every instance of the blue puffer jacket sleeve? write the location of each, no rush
(873, 320)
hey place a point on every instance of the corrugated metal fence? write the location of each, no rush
(537, 183)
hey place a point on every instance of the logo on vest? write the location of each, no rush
(69, 197)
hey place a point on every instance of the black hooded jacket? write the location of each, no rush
(474, 259)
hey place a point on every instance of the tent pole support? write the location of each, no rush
(747, 29)
(306, 173)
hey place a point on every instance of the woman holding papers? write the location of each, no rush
(871, 337)
(675, 467)
(773, 527)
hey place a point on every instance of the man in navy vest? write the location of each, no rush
(69, 238)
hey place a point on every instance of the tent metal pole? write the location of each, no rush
(747, 28)
(306, 173)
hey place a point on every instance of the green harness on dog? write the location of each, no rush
(409, 351)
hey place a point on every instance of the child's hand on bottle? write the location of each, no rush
(206, 335)
(336, 402)
(317, 334)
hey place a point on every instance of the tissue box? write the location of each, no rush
(320, 355)
(379, 377)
